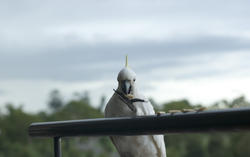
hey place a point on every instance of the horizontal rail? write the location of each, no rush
(213, 120)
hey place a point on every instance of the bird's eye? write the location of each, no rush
(134, 80)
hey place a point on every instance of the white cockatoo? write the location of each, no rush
(127, 101)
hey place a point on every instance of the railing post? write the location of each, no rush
(57, 146)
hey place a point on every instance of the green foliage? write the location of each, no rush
(208, 145)
(14, 140)
(177, 105)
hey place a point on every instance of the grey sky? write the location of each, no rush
(62, 44)
(87, 62)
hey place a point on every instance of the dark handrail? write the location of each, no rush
(213, 120)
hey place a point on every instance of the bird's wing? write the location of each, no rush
(113, 141)
(158, 140)
(147, 109)
(119, 144)
(146, 106)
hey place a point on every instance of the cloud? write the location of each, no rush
(1, 92)
(44, 45)
(38, 24)
(33, 94)
(205, 90)
(88, 62)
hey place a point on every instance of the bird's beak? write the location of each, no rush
(126, 87)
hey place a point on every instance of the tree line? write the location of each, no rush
(14, 139)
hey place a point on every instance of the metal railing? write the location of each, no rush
(237, 119)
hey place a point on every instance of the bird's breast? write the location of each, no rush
(117, 108)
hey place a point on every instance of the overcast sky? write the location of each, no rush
(198, 50)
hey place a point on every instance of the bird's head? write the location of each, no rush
(126, 79)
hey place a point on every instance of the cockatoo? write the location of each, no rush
(127, 101)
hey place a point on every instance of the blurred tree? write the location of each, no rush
(177, 105)
(237, 102)
(14, 140)
(55, 100)
(83, 96)
(102, 103)
(208, 145)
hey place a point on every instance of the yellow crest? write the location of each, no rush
(126, 63)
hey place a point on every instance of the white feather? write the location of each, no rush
(134, 146)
